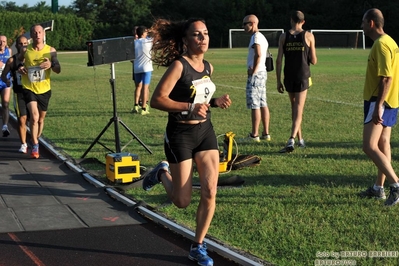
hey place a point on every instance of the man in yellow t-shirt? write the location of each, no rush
(40, 61)
(381, 102)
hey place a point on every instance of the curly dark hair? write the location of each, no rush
(168, 39)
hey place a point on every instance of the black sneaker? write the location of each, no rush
(150, 178)
(6, 131)
(289, 147)
(393, 197)
(372, 193)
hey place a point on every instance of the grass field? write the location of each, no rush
(293, 208)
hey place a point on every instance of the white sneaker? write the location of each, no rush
(252, 138)
(135, 109)
(266, 137)
(301, 144)
(24, 148)
(144, 112)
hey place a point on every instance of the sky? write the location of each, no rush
(48, 2)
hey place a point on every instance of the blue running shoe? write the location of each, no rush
(150, 178)
(198, 253)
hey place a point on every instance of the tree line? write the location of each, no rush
(86, 20)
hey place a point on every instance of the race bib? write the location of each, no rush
(19, 78)
(204, 89)
(36, 74)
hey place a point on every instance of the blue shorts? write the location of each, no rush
(144, 78)
(389, 115)
(3, 85)
(256, 90)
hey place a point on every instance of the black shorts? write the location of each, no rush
(41, 99)
(20, 105)
(296, 86)
(182, 141)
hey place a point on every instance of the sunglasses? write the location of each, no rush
(245, 23)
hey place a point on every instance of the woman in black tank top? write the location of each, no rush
(298, 48)
(185, 92)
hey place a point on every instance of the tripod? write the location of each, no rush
(115, 119)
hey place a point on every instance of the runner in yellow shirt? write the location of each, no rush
(40, 61)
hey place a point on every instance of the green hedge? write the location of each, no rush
(69, 33)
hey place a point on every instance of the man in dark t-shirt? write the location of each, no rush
(21, 110)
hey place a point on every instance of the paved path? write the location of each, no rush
(50, 215)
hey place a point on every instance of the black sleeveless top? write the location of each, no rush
(296, 52)
(184, 90)
(16, 77)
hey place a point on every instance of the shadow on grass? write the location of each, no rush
(307, 180)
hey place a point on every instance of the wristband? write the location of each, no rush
(20, 65)
(191, 107)
(212, 102)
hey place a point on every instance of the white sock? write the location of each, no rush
(375, 187)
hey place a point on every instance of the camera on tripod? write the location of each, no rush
(108, 51)
(121, 167)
